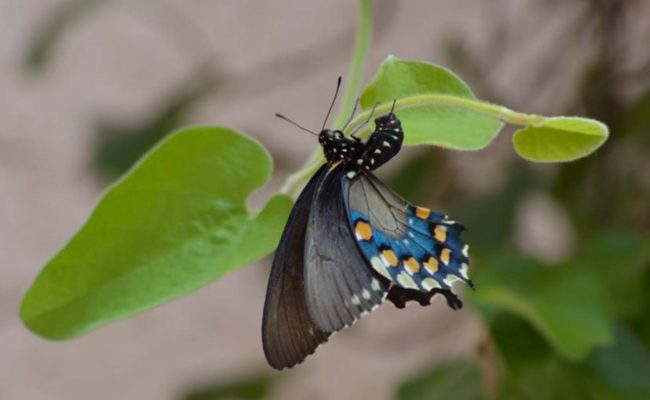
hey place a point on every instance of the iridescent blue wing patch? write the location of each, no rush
(413, 247)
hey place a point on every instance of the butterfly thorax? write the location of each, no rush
(338, 147)
(383, 144)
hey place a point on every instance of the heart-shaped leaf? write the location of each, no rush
(177, 221)
(437, 124)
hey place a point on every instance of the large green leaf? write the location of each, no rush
(454, 381)
(440, 125)
(566, 304)
(177, 221)
(560, 139)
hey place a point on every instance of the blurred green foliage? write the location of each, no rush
(251, 388)
(118, 145)
(46, 39)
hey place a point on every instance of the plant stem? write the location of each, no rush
(362, 43)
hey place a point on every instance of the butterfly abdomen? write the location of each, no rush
(384, 143)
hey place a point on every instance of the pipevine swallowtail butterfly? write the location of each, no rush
(350, 243)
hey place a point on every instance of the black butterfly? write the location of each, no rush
(350, 243)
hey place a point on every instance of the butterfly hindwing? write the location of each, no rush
(339, 283)
(288, 332)
(415, 248)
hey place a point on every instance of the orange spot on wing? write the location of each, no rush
(445, 256)
(431, 265)
(412, 265)
(390, 257)
(440, 233)
(363, 230)
(423, 213)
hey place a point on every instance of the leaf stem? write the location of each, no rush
(500, 112)
(295, 181)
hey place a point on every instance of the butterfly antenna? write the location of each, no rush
(338, 85)
(295, 124)
(393, 107)
(354, 110)
(368, 120)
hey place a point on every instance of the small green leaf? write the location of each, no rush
(564, 303)
(177, 221)
(560, 139)
(445, 126)
(456, 381)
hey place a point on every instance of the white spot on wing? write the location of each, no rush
(365, 294)
(355, 300)
(380, 267)
(430, 283)
(463, 270)
(406, 281)
(375, 284)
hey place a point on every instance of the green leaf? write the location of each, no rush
(177, 221)
(624, 365)
(566, 304)
(455, 381)
(560, 139)
(445, 126)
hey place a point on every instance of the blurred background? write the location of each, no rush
(561, 253)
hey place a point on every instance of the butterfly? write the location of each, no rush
(350, 243)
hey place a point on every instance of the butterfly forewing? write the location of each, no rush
(339, 283)
(288, 332)
(415, 248)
